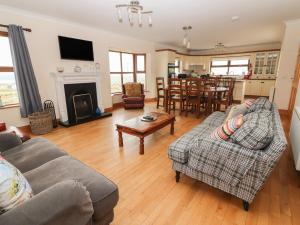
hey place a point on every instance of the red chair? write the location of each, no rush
(133, 95)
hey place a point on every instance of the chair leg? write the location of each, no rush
(177, 177)
(157, 104)
(246, 205)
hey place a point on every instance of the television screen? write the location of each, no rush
(76, 49)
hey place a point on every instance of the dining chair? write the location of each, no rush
(160, 88)
(176, 94)
(194, 95)
(224, 97)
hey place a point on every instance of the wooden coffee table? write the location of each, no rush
(141, 129)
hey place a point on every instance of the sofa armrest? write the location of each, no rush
(65, 203)
(9, 140)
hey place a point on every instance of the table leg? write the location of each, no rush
(141, 145)
(172, 127)
(209, 103)
(120, 138)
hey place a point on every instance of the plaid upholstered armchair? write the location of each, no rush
(133, 95)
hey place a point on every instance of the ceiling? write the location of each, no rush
(261, 21)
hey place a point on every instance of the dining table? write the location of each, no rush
(210, 92)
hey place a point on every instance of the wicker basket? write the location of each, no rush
(40, 122)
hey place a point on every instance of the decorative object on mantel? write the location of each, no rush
(97, 65)
(60, 69)
(134, 9)
(186, 40)
(49, 107)
(40, 122)
(77, 69)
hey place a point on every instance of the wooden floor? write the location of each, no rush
(148, 191)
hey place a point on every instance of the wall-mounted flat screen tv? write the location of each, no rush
(75, 49)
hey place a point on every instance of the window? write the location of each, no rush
(235, 67)
(8, 89)
(126, 67)
(177, 66)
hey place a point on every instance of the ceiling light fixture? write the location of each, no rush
(134, 9)
(186, 40)
(235, 18)
(220, 46)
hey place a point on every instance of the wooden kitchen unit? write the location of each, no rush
(259, 87)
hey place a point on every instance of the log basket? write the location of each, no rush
(40, 122)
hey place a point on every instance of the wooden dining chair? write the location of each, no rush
(224, 97)
(194, 95)
(160, 88)
(176, 94)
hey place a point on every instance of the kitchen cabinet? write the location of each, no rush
(239, 90)
(259, 87)
(266, 63)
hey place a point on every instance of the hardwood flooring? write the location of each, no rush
(148, 191)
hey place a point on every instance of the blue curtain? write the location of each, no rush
(29, 96)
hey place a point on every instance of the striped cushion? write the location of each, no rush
(248, 103)
(228, 128)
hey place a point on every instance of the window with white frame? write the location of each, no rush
(231, 66)
(8, 89)
(126, 67)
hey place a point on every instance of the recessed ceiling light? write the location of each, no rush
(235, 18)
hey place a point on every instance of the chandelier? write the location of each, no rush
(220, 46)
(186, 40)
(134, 10)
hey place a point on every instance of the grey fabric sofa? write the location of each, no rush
(224, 165)
(66, 192)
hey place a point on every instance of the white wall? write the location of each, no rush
(287, 64)
(44, 51)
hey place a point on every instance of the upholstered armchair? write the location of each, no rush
(133, 95)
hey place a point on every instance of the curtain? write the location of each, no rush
(29, 96)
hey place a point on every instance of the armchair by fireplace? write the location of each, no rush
(133, 95)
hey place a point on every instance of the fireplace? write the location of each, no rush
(78, 97)
(81, 100)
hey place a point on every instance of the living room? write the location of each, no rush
(136, 160)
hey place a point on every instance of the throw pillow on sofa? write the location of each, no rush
(14, 188)
(224, 131)
(236, 110)
(256, 132)
(249, 102)
(262, 103)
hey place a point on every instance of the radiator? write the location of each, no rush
(295, 136)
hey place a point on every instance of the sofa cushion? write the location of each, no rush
(133, 89)
(14, 188)
(215, 119)
(261, 103)
(103, 192)
(249, 102)
(221, 159)
(224, 131)
(32, 153)
(236, 110)
(9, 140)
(256, 132)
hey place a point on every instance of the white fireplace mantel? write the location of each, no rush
(74, 78)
